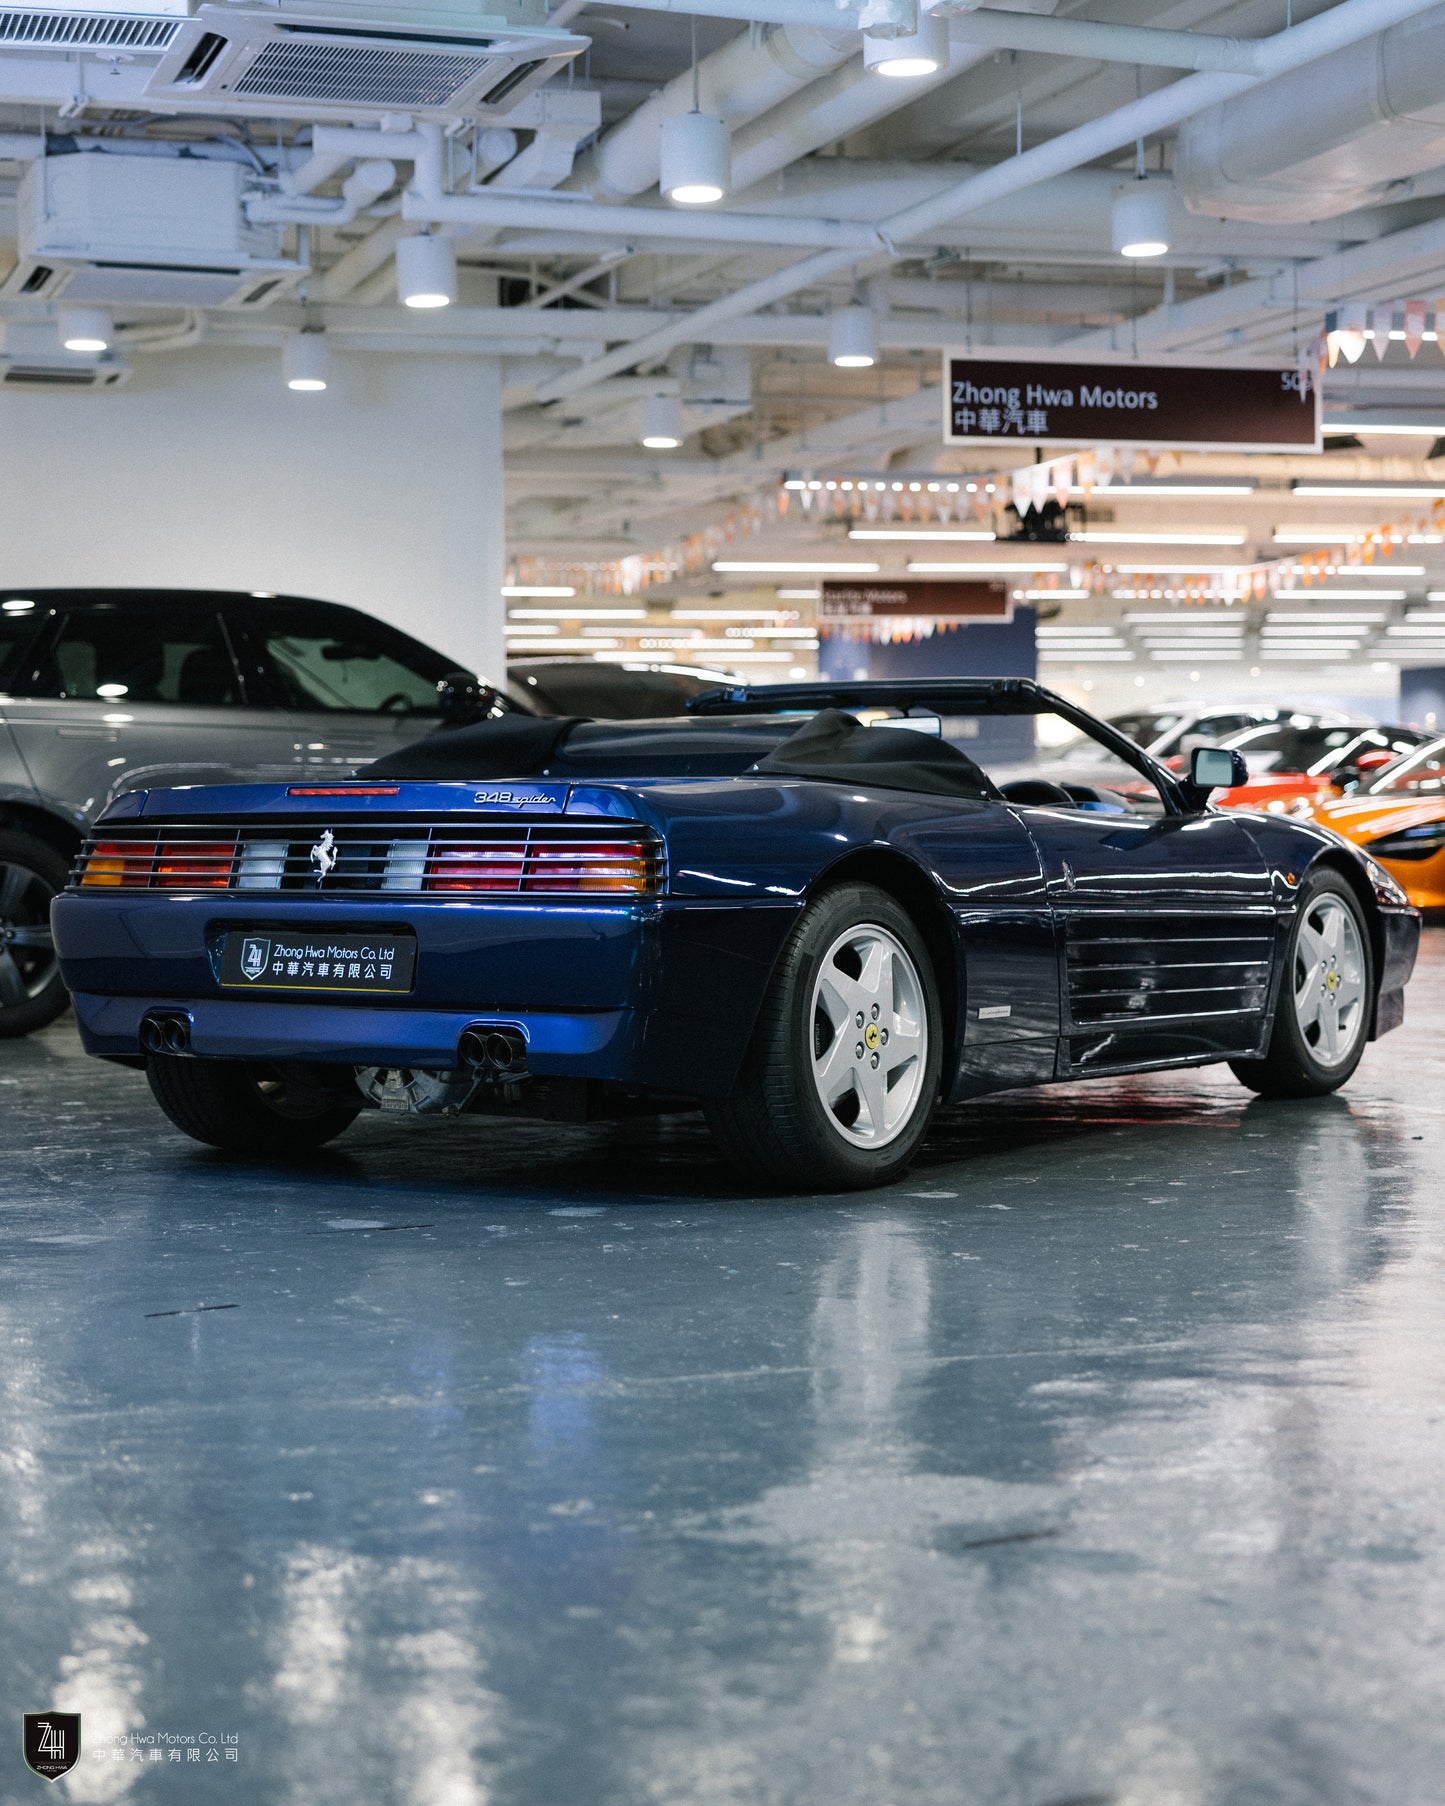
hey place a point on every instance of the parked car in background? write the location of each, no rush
(1168, 732)
(1398, 817)
(1288, 760)
(99, 688)
(608, 692)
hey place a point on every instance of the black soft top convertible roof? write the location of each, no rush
(827, 745)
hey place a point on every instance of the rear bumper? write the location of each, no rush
(662, 995)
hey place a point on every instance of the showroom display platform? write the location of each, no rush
(1100, 1459)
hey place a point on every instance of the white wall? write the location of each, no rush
(384, 492)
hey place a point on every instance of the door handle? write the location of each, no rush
(1068, 875)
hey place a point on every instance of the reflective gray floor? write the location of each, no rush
(1101, 1461)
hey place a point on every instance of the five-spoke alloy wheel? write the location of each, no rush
(1327, 996)
(32, 991)
(841, 1077)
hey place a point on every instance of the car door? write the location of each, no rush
(1165, 927)
(335, 686)
(120, 691)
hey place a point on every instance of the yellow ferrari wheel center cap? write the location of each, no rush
(870, 1035)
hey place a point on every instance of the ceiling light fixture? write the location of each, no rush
(696, 159)
(578, 614)
(539, 590)
(306, 361)
(1092, 538)
(85, 328)
(661, 422)
(917, 53)
(1110, 490)
(426, 271)
(1382, 491)
(1027, 566)
(792, 568)
(696, 153)
(1139, 219)
(917, 534)
(852, 337)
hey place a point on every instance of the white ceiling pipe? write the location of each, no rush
(836, 107)
(641, 223)
(1349, 22)
(1318, 142)
(1103, 42)
(308, 175)
(367, 182)
(736, 83)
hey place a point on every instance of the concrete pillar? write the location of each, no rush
(384, 492)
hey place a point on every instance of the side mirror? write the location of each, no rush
(1214, 768)
(462, 697)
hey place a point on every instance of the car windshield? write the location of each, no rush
(332, 658)
(1283, 746)
(1421, 773)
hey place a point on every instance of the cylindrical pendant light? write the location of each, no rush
(84, 328)
(922, 52)
(662, 422)
(853, 337)
(306, 362)
(696, 159)
(1140, 219)
(426, 271)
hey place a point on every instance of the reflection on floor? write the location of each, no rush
(1101, 1460)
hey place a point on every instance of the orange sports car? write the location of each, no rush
(1397, 817)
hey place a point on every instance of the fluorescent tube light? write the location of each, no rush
(1092, 538)
(578, 614)
(801, 568)
(964, 570)
(1382, 491)
(538, 590)
(919, 533)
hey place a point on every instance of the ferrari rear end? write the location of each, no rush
(499, 934)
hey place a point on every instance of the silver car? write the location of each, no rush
(100, 690)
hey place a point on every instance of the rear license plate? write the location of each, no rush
(317, 961)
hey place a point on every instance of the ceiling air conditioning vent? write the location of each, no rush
(287, 62)
(135, 231)
(81, 27)
(84, 31)
(53, 376)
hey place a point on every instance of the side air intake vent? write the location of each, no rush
(257, 61)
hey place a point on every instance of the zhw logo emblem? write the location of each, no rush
(255, 957)
(52, 1743)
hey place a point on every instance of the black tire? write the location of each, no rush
(774, 1126)
(241, 1106)
(1302, 1060)
(32, 992)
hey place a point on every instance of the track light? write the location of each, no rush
(662, 423)
(696, 159)
(1140, 219)
(853, 337)
(306, 362)
(921, 52)
(426, 271)
(84, 328)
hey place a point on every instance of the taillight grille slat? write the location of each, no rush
(518, 860)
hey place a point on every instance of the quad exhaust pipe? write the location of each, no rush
(166, 1034)
(499, 1051)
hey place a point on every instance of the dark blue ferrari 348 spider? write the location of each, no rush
(817, 912)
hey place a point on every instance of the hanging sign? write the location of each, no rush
(958, 601)
(1194, 408)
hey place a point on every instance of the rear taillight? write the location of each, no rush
(195, 864)
(474, 867)
(544, 865)
(119, 864)
(589, 865)
(158, 865)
